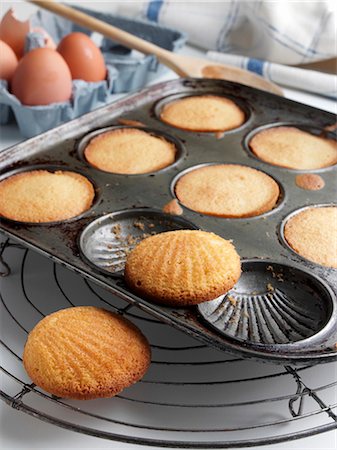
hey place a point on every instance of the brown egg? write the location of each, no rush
(8, 60)
(42, 77)
(13, 32)
(84, 59)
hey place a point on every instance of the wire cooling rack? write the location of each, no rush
(192, 397)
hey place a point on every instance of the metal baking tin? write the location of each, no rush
(258, 240)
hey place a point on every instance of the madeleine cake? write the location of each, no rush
(41, 196)
(312, 233)
(184, 267)
(85, 353)
(294, 148)
(227, 190)
(210, 113)
(129, 151)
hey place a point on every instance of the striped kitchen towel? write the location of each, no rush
(287, 32)
(305, 80)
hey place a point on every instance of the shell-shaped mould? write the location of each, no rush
(271, 304)
(108, 240)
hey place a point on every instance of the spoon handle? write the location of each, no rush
(87, 21)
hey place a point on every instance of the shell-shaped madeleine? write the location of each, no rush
(85, 353)
(183, 267)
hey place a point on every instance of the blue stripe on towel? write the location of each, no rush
(153, 9)
(255, 65)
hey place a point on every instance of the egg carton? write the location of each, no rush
(126, 71)
(5, 110)
(284, 307)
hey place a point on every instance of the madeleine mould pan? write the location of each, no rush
(283, 309)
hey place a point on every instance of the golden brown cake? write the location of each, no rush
(309, 181)
(312, 233)
(129, 151)
(293, 148)
(40, 196)
(184, 267)
(227, 190)
(203, 113)
(85, 353)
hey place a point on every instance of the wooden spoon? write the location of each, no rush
(184, 66)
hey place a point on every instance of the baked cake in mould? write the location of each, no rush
(129, 151)
(204, 113)
(293, 148)
(85, 353)
(227, 190)
(183, 267)
(41, 196)
(312, 233)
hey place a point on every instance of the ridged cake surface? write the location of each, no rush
(85, 352)
(183, 267)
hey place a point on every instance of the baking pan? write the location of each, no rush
(283, 308)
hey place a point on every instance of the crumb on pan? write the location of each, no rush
(117, 230)
(219, 134)
(130, 122)
(331, 127)
(310, 181)
(173, 208)
(131, 240)
(139, 225)
(231, 300)
(277, 275)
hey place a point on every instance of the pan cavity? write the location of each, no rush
(106, 242)
(273, 304)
